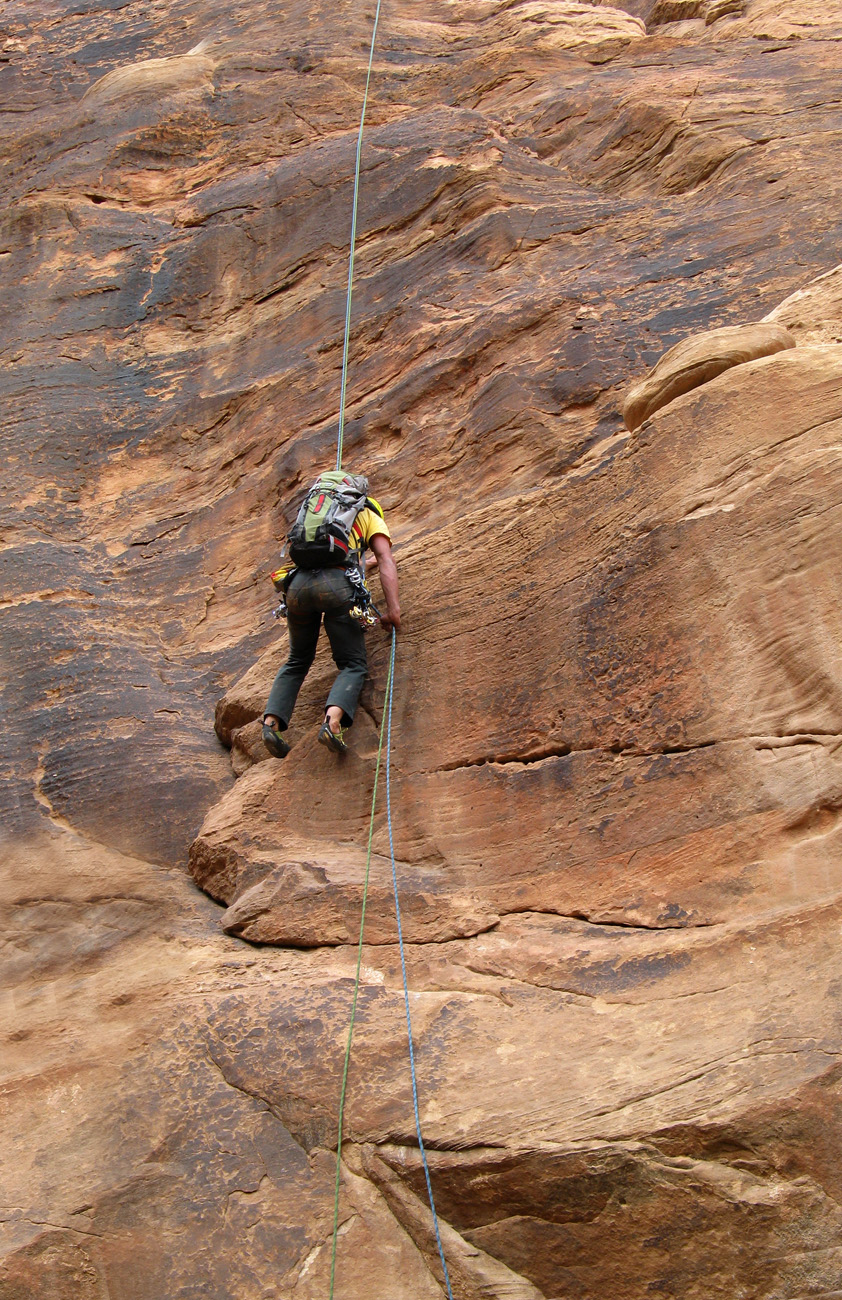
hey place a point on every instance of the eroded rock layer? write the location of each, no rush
(616, 785)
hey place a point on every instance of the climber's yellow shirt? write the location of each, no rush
(367, 525)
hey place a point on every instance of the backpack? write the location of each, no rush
(320, 538)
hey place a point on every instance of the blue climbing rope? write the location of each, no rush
(386, 723)
(355, 998)
(385, 728)
(344, 385)
(388, 709)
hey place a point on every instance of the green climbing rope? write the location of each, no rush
(356, 983)
(346, 344)
(385, 730)
(339, 449)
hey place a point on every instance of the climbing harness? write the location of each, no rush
(385, 728)
(363, 611)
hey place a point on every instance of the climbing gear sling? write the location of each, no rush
(365, 612)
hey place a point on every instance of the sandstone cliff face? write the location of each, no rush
(616, 781)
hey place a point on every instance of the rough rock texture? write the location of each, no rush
(812, 314)
(785, 19)
(616, 777)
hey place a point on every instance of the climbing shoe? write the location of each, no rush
(334, 740)
(274, 742)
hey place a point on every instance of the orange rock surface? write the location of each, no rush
(615, 780)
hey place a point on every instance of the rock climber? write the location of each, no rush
(328, 592)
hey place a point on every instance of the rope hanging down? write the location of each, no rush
(355, 998)
(385, 728)
(388, 710)
(346, 344)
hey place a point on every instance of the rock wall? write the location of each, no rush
(616, 780)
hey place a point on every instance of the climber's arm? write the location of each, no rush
(382, 548)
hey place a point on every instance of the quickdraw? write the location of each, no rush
(365, 612)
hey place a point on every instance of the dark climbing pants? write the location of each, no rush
(314, 593)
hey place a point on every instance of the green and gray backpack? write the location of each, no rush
(320, 538)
